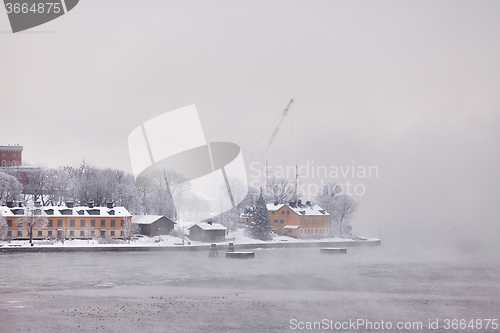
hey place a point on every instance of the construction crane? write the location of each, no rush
(277, 128)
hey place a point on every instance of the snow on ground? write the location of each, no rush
(237, 237)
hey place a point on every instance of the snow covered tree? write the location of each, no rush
(10, 187)
(341, 207)
(259, 227)
(3, 228)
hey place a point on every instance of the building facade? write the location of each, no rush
(207, 232)
(299, 220)
(153, 225)
(11, 156)
(67, 222)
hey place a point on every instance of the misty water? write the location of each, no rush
(188, 292)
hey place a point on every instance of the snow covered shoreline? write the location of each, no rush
(193, 247)
(172, 243)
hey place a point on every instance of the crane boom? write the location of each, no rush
(277, 128)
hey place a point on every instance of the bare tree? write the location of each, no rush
(279, 190)
(345, 207)
(130, 229)
(341, 207)
(33, 218)
(161, 189)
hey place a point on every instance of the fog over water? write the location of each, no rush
(184, 292)
(409, 87)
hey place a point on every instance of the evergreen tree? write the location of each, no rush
(259, 227)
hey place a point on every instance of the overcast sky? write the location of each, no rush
(410, 87)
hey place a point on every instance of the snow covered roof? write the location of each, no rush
(65, 211)
(4, 211)
(300, 209)
(290, 226)
(147, 219)
(273, 207)
(206, 226)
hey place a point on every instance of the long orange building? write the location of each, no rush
(299, 220)
(67, 222)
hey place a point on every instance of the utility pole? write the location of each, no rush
(296, 182)
(268, 186)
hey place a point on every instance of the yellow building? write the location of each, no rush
(299, 220)
(67, 222)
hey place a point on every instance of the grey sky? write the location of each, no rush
(411, 87)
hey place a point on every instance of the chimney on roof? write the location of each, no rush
(38, 203)
(70, 204)
(276, 203)
(291, 203)
(209, 222)
(308, 203)
(20, 204)
(110, 205)
(299, 202)
(90, 204)
(10, 204)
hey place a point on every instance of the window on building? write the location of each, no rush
(82, 233)
(122, 223)
(19, 223)
(276, 221)
(92, 233)
(112, 232)
(9, 233)
(103, 223)
(49, 224)
(14, 163)
(9, 223)
(4, 163)
(113, 223)
(122, 233)
(282, 212)
(287, 212)
(49, 233)
(40, 233)
(281, 221)
(71, 233)
(72, 223)
(19, 233)
(82, 223)
(92, 223)
(59, 223)
(103, 233)
(59, 233)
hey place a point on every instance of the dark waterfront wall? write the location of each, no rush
(220, 247)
